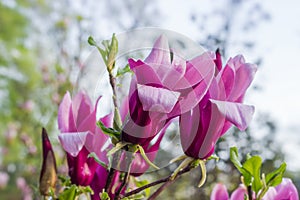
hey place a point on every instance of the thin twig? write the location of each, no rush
(163, 180)
(161, 188)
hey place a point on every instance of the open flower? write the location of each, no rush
(221, 107)
(80, 136)
(162, 88)
(219, 192)
(285, 190)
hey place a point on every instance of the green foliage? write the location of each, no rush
(251, 172)
(109, 52)
(253, 165)
(68, 194)
(274, 178)
(122, 71)
(104, 196)
(71, 191)
(141, 183)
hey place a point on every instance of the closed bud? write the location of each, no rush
(48, 173)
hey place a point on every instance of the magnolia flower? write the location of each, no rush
(80, 136)
(162, 88)
(220, 108)
(285, 190)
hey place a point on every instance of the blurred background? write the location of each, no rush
(43, 45)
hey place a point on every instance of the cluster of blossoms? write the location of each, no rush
(286, 190)
(204, 95)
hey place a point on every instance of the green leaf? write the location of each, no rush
(92, 42)
(253, 166)
(104, 196)
(109, 131)
(117, 120)
(122, 71)
(274, 178)
(65, 181)
(234, 157)
(93, 155)
(106, 45)
(84, 190)
(141, 184)
(103, 53)
(69, 193)
(112, 53)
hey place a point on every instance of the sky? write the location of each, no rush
(278, 42)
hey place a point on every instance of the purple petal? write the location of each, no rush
(200, 129)
(219, 192)
(237, 61)
(65, 115)
(157, 99)
(271, 194)
(218, 61)
(239, 193)
(243, 78)
(82, 107)
(212, 122)
(98, 182)
(226, 80)
(144, 73)
(124, 109)
(95, 142)
(286, 190)
(139, 165)
(160, 53)
(238, 114)
(73, 142)
(170, 75)
(201, 68)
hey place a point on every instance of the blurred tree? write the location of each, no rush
(42, 49)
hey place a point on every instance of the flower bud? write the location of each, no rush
(48, 173)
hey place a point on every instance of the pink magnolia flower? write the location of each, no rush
(162, 89)
(221, 107)
(219, 192)
(285, 190)
(80, 136)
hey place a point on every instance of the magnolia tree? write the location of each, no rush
(155, 81)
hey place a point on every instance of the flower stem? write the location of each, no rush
(250, 192)
(127, 174)
(115, 160)
(161, 188)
